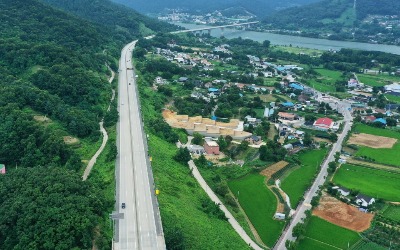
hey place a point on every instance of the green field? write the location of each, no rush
(328, 233)
(373, 182)
(364, 245)
(326, 80)
(380, 155)
(393, 98)
(259, 204)
(377, 80)
(392, 212)
(308, 243)
(296, 183)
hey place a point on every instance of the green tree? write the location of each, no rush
(222, 143)
(182, 156)
(197, 139)
(43, 200)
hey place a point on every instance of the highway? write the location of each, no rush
(139, 224)
(342, 107)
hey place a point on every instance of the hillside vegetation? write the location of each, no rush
(53, 85)
(339, 20)
(258, 7)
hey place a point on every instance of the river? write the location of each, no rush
(297, 41)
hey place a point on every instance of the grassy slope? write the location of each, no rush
(329, 233)
(180, 203)
(372, 182)
(381, 155)
(259, 203)
(298, 181)
(326, 80)
(377, 80)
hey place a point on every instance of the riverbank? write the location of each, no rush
(296, 41)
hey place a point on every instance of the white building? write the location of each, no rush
(364, 200)
(395, 87)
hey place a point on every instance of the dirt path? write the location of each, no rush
(92, 161)
(373, 165)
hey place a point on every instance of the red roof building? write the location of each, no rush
(211, 147)
(370, 118)
(323, 123)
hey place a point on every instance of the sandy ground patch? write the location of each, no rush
(40, 118)
(70, 140)
(343, 215)
(372, 141)
(269, 171)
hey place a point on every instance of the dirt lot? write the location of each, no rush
(40, 118)
(372, 141)
(343, 215)
(70, 140)
(269, 171)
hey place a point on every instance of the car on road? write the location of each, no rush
(123, 205)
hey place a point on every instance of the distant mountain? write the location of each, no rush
(258, 7)
(341, 19)
(120, 19)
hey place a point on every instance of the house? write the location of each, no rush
(288, 104)
(323, 123)
(395, 87)
(364, 200)
(381, 120)
(343, 191)
(2, 169)
(183, 79)
(279, 216)
(268, 74)
(160, 81)
(211, 147)
(253, 140)
(196, 149)
(288, 116)
(369, 118)
(296, 86)
(288, 146)
(353, 83)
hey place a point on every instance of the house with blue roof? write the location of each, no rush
(288, 104)
(213, 90)
(381, 120)
(296, 86)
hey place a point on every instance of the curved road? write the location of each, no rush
(299, 215)
(139, 224)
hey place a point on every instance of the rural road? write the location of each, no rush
(299, 215)
(139, 224)
(92, 161)
(216, 200)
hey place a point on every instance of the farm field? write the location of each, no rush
(330, 234)
(376, 80)
(326, 79)
(341, 214)
(296, 183)
(269, 171)
(393, 98)
(259, 204)
(392, 212)
(381, 155)
(364, 245)
(372, 182)
(307, 243)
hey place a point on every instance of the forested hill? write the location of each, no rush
(333, 13)
(258, 7)
(124, 22)
(53, 84)
(339, 20)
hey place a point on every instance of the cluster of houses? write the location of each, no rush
(363, 201)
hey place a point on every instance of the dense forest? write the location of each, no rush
(53, 66)
(258, 7)
(121, 22)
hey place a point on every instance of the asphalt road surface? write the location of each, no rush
(140, 226)
(342, 107)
